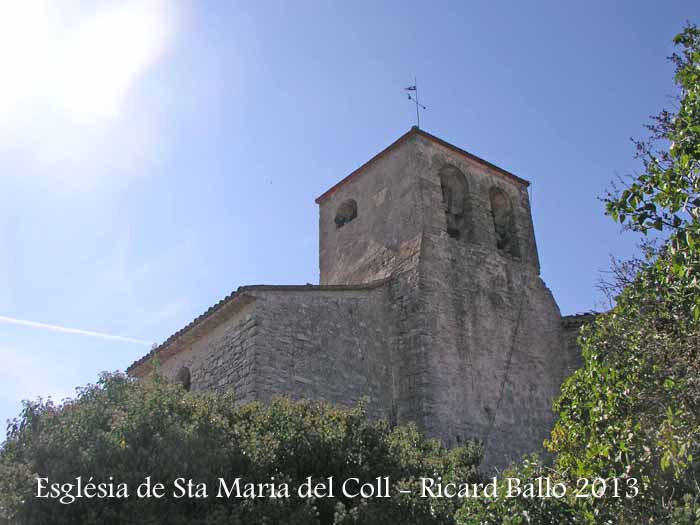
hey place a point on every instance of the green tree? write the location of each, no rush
(632, 412)
(511, 509)
(130, 430)
(633, 409)
(666, 196)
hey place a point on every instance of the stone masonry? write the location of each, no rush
(430, 306)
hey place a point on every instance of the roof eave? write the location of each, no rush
(232, 302)
(417, 131)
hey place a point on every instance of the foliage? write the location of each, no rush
(130, 430)
(521, 510)
(633, 410)
(666, 196)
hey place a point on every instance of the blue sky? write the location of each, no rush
(157, 155)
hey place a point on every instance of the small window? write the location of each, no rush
(504, 222)
(183, 378)
(346, 213)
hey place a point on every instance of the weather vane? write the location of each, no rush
(414, 98)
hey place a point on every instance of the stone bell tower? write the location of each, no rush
(430, 308)
(478, 349)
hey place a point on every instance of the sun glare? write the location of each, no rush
(24, 45)
(83, 65)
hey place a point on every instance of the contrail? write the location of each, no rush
(67, 330)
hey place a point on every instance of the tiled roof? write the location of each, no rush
(157, 349)
(403, 138)
(577, 319)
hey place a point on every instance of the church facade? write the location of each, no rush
(430, 306)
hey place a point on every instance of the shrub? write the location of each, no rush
(130, 430)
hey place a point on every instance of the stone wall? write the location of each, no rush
(222, 357)
(384, 238)
(331, 343)
(571, 326)
(493, 357)
(325, 343)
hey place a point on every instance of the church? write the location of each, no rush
(430, 307)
